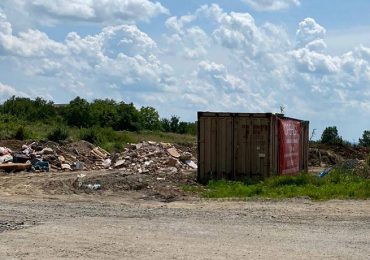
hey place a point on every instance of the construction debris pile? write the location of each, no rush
(144, 157)
(149, 156)
(328, 155)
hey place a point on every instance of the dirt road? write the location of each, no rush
(128, 227)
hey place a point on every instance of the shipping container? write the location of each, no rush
(237, 146)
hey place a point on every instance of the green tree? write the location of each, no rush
(165, 125)
(149, 118)
(27, 109)
(104, 112)
(365, 140)
(128, 117)
(174, 124)
(77, 113)
(330, 136)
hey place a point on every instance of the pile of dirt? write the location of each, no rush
(321, 155)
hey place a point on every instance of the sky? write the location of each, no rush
(311, 57)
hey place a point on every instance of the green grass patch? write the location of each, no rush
(338, 184)
(193, 189)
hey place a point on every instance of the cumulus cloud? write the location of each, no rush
(271, 5)
(7, 91)
(309, 31)
(119, 55)
(209, 59)
(89, 11)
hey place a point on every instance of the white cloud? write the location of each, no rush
(271, 5)
(209, 59)
(309, 31)
(90, 11)
(5, 26)
(7, 91)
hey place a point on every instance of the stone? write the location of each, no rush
(66, 166)
(47, 150)
(173, 152)
(172, 162)
(119, 163)
(61, 159)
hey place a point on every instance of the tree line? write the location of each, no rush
(331, 136)
(100, 112)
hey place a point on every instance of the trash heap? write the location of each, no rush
(152, 157)
(144, 157)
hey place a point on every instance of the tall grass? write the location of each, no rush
(338, 184)
(14, 128)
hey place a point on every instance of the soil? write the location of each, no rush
(129, 227)
(46, 216)
(114, 214)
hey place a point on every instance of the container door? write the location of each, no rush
(225, 148)
(260, 139)
(207, 148)
(242, 147)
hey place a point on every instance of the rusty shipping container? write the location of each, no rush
(237, 146)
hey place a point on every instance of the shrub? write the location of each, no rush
(89, 134)
(330, 136)
(58, 134)
(365, 140)
(22, 133)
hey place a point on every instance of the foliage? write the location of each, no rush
(27, 109)
(104, 113)
(365, 140)
(22, 133)
(174, 124)
(330, 136)
(149, 118)
(129, 117)
(165, 125)
(58, 134)
(338, 184)
(79, 113)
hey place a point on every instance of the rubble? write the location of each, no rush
(141, 158)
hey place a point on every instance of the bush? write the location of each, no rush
(365, 140)
(89, 134)
(58, 134)
(330, 136)
(22, 133)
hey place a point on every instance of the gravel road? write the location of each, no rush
(128, 227)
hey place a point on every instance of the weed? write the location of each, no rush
(58, 134)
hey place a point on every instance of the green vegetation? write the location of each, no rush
(101, 113)
(106, 123)
(331, 136)
(338, 184)
(58, 134)
(365, 140)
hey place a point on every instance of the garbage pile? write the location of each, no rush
(352, 166)
(147, 157)
(144, 157)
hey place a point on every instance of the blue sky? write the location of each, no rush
(181, 56)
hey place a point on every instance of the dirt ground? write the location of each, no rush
(42, 217)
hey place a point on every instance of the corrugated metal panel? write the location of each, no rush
(207, 133)
(260, 137)
(225, 148)
(242, 147)
(305, 145)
